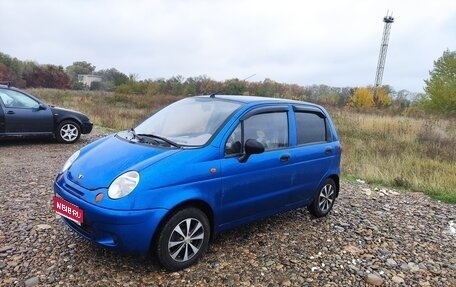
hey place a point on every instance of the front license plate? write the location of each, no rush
(68, 210)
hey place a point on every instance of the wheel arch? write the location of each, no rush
(195, 203)
(58, 120)
(336, 179)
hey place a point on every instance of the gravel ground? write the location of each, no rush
(373, 237)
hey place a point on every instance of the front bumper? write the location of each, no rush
(126, 231)
(86, 127)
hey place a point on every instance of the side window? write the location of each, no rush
(270, 129)
(310, 128)
(7, 100)
(13, 99)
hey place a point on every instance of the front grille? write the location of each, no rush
(73, 190)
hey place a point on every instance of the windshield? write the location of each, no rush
(188, 122)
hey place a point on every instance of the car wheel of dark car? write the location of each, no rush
(183, 239)
(324, 199)
(68, 132)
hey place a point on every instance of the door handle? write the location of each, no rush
(285, 158)
(328, 150)
(10, 112)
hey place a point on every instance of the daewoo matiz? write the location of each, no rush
(198, 167)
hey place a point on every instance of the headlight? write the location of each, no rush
(123, 184)
(70, 161)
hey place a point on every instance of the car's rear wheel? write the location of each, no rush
(324, 199)
(68, 132)
(183, 239)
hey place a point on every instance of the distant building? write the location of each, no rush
(88, 79)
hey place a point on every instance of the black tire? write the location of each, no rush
(68, 132)
(324, 199)
(183, 239)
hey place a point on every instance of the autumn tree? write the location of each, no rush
(362, 98)
(441, 86)
(383, 98)
(47, 76)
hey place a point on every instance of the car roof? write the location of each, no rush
(257, 99)
(11, 87)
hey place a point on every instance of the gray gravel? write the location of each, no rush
(373, 237)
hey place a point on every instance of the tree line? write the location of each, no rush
(29, 74)
(439, 96)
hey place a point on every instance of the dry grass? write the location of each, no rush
(414, 154)
(105, 109)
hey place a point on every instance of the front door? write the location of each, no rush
(24, 115)
(259, 186)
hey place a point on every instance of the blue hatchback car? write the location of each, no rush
(200, 166)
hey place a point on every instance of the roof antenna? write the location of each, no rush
(213, 94)
(248, 77)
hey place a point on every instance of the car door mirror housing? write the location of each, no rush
(42, 107)
(251, 146)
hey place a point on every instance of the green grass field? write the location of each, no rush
(388, 151)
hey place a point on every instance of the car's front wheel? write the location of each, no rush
(183, 239)
(324, 199)
(68, 132)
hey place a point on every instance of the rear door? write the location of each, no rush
(313, 151)
(25, 115)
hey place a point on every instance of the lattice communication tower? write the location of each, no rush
(388, 19)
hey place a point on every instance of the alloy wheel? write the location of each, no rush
(326, 198)
(69, 132)
(186, 240)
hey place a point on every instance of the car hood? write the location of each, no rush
(101, 162)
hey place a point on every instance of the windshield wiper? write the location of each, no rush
(135, 136)
(170, 142)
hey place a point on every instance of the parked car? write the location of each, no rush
(198, 167)
(23, 115)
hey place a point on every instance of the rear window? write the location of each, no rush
(310, 128)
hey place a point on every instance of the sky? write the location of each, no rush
(330, 42)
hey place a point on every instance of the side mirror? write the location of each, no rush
(251, 147)
(42, 107)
